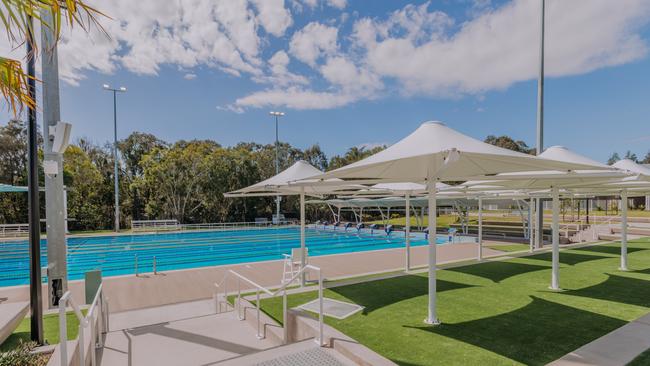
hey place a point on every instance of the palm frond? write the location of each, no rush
(14, 15)
(14, 86)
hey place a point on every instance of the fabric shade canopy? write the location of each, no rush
(435, 150)
(8, 188)
(279, 184)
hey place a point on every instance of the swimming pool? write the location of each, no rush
(116, 255)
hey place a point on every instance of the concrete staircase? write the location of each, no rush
(192, 334)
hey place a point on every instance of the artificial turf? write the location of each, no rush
(496, 313)
(50, 331)
(509, 247)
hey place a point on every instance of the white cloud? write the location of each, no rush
(189, 76)
(344, 73)
(312, 42)
(280, 75)
(500, 47)
(144, 36)
(294, 98)
(273, 16)
(339, 4)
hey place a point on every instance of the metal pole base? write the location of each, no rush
(432, 321)
(555, 288)
(625, 269)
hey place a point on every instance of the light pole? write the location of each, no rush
(277, 161)
(117, 188)
(540, 125)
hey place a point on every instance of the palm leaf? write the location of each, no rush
(14, 86)
(15, 17)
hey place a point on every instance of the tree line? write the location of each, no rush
(184, 180)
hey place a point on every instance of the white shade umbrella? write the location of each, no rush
(435, 152)
(279, 185)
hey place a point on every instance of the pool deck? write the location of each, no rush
(148, 290)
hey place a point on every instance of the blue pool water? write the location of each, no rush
(115, 255)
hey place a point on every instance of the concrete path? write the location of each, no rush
(197, 341)
(617, 348)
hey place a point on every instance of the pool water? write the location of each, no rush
(116, 255)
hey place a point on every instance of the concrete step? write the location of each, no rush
(632, 230)
(306, 352)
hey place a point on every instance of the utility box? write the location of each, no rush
(93, 280)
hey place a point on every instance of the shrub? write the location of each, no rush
(23, 356)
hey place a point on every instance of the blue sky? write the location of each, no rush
(349, 73)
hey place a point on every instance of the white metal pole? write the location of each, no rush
(531, 224)
(624, 205)
(408, 231)
(303, 258)
(432, 318)
(555, 277)
(480, 229)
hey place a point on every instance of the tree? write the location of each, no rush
(316, 157)
(614, 158)
(646, 160)
(508, 142)
(83, 180)
(16, 18)
(352, 155)
(632, 156)
(176, 177)
(132, 150)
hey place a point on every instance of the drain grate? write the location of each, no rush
(333, 308)
(311, 357)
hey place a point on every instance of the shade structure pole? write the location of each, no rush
(303, 257)
(531, 224)
(480, 229)
(431, 317)
(555, 277)
(407, 230)
(624, 205)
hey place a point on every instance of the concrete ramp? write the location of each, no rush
(11, 314)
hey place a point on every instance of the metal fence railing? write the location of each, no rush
(14, 230)
(94, 324)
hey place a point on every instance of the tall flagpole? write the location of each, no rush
(540, 124)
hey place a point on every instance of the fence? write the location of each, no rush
(14, 230)
(95, 321)
(260, 289)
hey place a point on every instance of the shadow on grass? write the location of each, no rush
(378, 294)
(615, 250)
(498, 271)
(644, 271)
(626, 290)
(535, 334)
(569, 258)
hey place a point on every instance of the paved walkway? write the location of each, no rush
(617, 348)
(201, 340)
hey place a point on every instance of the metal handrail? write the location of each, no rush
(98, 323)
(233, 225)
(259, 288)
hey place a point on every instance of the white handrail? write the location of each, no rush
(259, 288)
(98, 323)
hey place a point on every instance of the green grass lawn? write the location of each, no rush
(509, 247)
(442, 221)
(496, 313)
(50, 331)
(642, 360)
